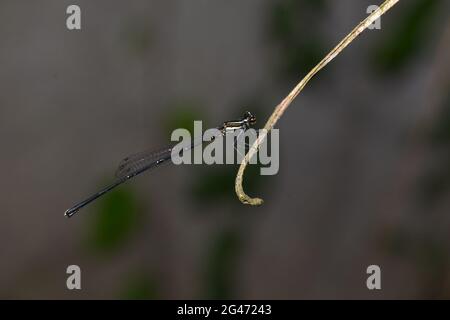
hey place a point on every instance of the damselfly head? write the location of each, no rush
(250, 118)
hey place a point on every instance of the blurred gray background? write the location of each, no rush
(364, 176)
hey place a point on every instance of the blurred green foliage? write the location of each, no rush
(435, 184)
(116, 217)
(140, 286)
(433, 261)
(408, 37)
(137, 36)
(396, 243)
(293, 30)
(221, 265)
(182, 113)
(440, 134)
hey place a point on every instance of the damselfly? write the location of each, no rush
(138, 163)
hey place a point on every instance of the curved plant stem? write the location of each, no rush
(281, 108)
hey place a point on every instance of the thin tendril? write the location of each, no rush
(281, 108)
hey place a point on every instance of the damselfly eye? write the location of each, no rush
(250, 118)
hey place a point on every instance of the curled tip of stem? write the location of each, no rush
(245, 199)
(252, 201)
